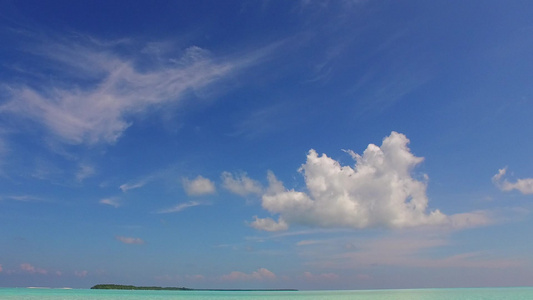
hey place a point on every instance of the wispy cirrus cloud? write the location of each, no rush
(112, 201)
(133, 185)
(130, 240)
(525, 186)
(22, 198)
(308, 242)
(84, 171)
(4, 150)
(97, 88)
(180, 207)
(141, 182)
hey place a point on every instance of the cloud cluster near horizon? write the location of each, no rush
(379, 191)
(259, 274)
(320, 277)
(81, 274)
(401, 249)
(525, 186)
(96, 89)
(26, 267)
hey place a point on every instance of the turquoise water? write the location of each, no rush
(416, 294)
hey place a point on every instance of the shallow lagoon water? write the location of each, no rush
(407, 294)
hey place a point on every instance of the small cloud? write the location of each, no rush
(81, 273)
(179, 207)
(240, 184)
(23, 198)
(260, 274)
(113, 201)
(84, 172)
(198, 186)
(470, 220)
(195, 277)
(307, 242)
(129, 240)
(525, 186)
(26, 267)
(320, 277)
(268, 224)
(130, 186)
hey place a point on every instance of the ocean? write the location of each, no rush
(522, 293)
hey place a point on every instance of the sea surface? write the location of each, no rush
(525, 293)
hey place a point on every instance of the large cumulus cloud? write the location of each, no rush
(378, 191)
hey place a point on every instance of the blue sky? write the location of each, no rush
(266, 144)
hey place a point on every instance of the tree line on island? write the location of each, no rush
(158, 288)
(133, 287)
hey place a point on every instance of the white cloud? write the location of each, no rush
(23, 198)
(84, 172)
(307, 242)
(241, 184)
(81, 274)
(129, 240)
(471, 219)
(260, 274)
(379, 191)
(113, 201)
(101, 90)
(131, 186)
(139, 183)
(198, 186)
(32, 270)
(268, 224)
(525, 186)
(179, 207)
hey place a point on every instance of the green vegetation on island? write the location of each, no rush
(132, 287)
(157, 288)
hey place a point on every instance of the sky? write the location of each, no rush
(305, 144)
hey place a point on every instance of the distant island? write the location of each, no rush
(158, 288)
(132, 287)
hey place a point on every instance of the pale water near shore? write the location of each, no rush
(525, 293)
